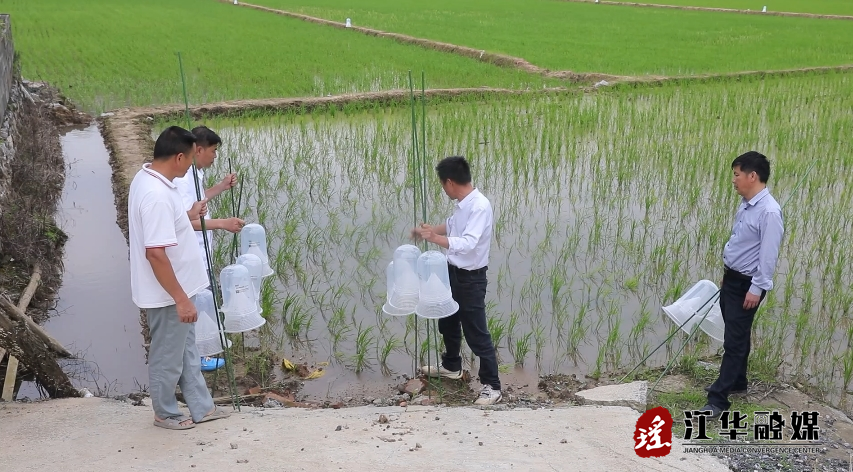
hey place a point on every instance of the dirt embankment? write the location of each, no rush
(718, 10)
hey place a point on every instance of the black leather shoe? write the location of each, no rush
(715, 412)
(732, 392)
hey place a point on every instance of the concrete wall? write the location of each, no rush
(7, 56)
(8, 95)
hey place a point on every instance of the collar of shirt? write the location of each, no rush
(147, 168)
(757, 198)
(468, 200)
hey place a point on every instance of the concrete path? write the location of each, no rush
(103, 434)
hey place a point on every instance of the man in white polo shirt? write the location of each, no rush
(165, 274)
(467, 237)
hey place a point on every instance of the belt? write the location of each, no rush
(733, 273)
(481, 270)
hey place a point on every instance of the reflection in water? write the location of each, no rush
(96, 317)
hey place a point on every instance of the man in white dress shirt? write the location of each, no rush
(749, 262)
(466, 236)
(208, 144)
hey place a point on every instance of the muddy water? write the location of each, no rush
(96, 318)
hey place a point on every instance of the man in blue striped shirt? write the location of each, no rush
(749, 259)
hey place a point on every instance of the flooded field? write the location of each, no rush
(607, 207)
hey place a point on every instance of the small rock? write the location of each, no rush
(412, 387)
(338, 428)
(444, 433)
(417, 445)
(244, 429)
(233, 446)
(242, 461)
(403, 404)
(563, 441)
(481, 443)
(377, 402)
(369, 399)
(383, 419)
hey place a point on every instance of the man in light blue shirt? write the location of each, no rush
(749, 259)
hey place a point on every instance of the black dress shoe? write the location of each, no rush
(738, 391)
(715, 412)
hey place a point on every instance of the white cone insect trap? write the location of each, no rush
(207, 336)
(238, 300)
(435, 300)
(388, 308)
(253, 240)
(256, 268)
(403, 295)
(690, 309)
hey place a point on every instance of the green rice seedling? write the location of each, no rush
(522, 348)
(390, 344)
(363, 340)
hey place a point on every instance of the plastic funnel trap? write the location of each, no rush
(406, 286)
(240, 305)
(207, 334)
(436, 299)
(698, 301)
(255, 267)
(253, 240)
(388, 308)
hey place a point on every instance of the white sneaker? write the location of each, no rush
(488, 396)
(441, 371)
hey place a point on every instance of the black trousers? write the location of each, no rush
(469, 291)
(736, 340)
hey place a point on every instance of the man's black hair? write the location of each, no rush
(454, 168)
(753, 161)
(206, 137)
(172, 141)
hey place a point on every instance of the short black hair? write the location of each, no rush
(454, 168)
(753, 161)
(206, 137)
(172, 141)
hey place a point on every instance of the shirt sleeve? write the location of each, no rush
(478, 221)
(187, 190)
(158, 224)
(771, 230)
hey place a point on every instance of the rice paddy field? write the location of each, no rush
(607, 206)
(106, 54)
(609, 202)
(613, 39)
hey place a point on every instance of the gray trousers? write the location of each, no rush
(173, 360)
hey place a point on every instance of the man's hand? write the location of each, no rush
(233, 225)
(186, 311)
(426, 232)
(228, 181)
(416, 234)
(751, 301)
(198, 210)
